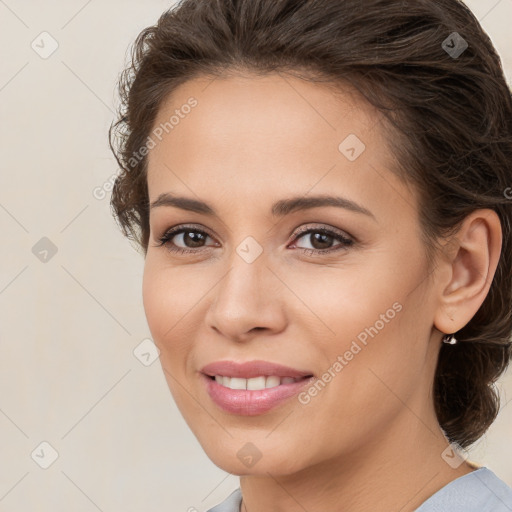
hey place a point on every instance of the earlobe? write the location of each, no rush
(470, 263)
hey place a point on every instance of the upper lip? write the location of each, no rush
(251, 369)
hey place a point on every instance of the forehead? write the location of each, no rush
(271, 135)
(261, 109)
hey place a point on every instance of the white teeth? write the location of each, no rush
(236, 383)
(272, 381)
(254, 383)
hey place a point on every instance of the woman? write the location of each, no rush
(320, 193)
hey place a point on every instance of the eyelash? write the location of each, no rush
(168, 235)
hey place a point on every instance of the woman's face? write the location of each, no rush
(353, 306)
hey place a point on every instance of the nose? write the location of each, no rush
(246, 301)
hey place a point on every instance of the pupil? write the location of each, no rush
(195, 237)
(323, 237)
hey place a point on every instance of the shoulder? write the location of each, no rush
(478, 491)
(230, 504)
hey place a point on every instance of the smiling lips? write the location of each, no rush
(253, 387)
(251, 369)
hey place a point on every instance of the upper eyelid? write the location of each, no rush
(323, 227)
(181, 227)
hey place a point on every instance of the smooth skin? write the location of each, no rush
(369, 440)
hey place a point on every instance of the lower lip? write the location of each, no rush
(251, 403)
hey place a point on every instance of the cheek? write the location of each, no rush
(345, 301)
(166, 309)
(155, 302)
(369, 318)
(168, 297)
(379, 374)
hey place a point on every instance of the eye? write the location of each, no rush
(321, 240)
(184, 239)
(189, 239)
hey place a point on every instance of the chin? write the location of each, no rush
(245, 457)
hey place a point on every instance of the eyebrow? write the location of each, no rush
(279, 209)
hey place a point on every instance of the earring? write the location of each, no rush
(449, 339)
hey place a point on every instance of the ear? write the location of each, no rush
(467, 269)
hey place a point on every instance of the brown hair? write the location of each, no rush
(449, 108)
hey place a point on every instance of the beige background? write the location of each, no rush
(69, 326)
